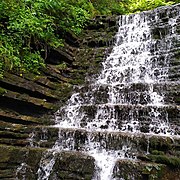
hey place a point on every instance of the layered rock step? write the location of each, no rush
(25, 164)
(78, 139)
(145, 170)
(134, 118)
(133, 93)
(144, 155)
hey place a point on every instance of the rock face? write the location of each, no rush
(73, 165)
(27, 103)
(144, 170)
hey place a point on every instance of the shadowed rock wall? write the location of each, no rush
(27, 103)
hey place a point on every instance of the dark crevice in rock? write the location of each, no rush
(23, 90)
(53, 79)
(21, 107)
(70, 38)
(58, 56)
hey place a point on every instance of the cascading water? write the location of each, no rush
(127, 92)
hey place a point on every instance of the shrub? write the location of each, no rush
(29, 27)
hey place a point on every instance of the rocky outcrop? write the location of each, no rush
(144, 170)
(23, 163)
(28, 101)
(73, 165)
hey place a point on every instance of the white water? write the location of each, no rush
(131, 63)
(46, 165)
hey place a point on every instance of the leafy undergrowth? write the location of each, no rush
(29, 27)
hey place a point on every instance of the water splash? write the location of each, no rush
(105, 159)
(21, 171)
(46, 164)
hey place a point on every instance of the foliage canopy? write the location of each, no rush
(28, 27)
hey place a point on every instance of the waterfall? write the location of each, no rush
(126, 97)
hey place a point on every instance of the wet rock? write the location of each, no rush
(73, 165)
(144, 170)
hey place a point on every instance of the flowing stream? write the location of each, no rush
(127, 97)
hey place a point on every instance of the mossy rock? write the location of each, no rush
(173, 162)
(73, 165)
(2, 91)
(140, 170)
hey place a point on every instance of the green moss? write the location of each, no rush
(77, 81)
(173, 162)
(160, 144)
(156, 152)
(154, 171)
(2, 91)
(12, 155)
(62, 66)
